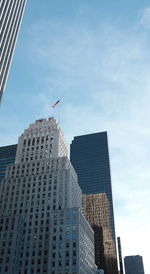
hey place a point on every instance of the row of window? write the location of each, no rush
(37, 140)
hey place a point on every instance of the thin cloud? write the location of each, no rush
(145, 18)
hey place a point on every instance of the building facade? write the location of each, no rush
(96, 210)
(134, 264)
(72, 243)
(11, 15)
(40, 208)
(89, 156)
(7, 157)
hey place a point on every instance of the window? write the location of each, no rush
(60, 254)
(74, 244)
(74, 261)
(67, 253)
(67, 262)
(74, 228)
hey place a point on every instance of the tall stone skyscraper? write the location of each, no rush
(11, 15)
(89, 156)
(42, 229)
(134, 264)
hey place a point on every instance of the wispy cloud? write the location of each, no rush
(145, 18)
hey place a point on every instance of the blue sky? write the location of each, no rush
(95, 57)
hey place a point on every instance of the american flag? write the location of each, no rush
(53, 106)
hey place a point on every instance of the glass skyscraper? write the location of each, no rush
(96, 210)
(11, 12)
(89, 156)
(7, 157)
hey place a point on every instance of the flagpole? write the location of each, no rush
(59, 114)
(55, 105)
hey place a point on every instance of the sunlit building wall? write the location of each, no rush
(97, 212)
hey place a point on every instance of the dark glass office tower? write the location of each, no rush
(11, 12)
(90, 158)
(134, 264)
(7, 157)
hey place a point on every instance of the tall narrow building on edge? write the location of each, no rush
(42, 229)
(89, 156)
(11, 12)
(121, 266)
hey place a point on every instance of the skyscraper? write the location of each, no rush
(11, 15)
(90, 158)
(7, 157)
(42, 229)
(96, 210)
(120, 256)
(134, 264)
